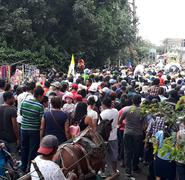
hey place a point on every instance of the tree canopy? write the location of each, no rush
(47, 32)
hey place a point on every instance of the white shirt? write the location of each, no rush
(93, 114)
(162, 98)
(111, 114)
(49, 169)
(68, 108)
(20, 98)
(96, 84)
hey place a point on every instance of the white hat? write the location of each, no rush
(106, 90)
(94, 96)
(68, 95)
(56, 84)
(80, 87)
(93, 88)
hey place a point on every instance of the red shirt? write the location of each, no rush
(161, 81)
(122, 126)
(45, 91)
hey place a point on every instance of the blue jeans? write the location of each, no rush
(180, 171)
(30, 141)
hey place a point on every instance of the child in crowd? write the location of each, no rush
(69, 107)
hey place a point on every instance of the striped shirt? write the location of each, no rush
(32, 112)
(155, 126)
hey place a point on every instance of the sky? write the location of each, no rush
(160, 19)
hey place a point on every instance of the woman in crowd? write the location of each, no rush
(55, 121)
(181, 164)
(91, 110)
(164, 168)
(81, 118)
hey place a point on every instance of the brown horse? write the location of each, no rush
(85, 154)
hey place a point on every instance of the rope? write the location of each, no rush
(27, 175)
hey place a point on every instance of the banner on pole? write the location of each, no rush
(71, 70)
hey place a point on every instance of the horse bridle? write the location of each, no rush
(86, 154)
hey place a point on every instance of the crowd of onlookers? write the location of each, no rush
(35, 118)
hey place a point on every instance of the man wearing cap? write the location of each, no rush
(48, 169)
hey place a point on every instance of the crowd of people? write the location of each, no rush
(36, 117)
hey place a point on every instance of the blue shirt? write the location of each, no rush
(160, 138)
(51, 126)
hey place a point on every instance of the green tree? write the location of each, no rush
(96, 30)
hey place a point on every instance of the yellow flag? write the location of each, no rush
(71, 70)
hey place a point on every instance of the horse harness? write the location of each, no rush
(76, 143)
